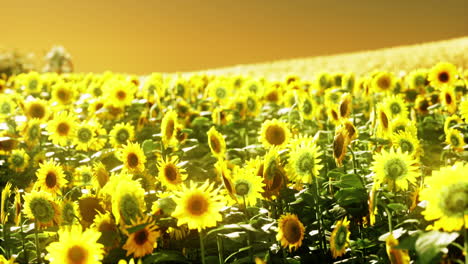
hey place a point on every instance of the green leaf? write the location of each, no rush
(397, 207)
(430, 245)
(166, 256)
(136, 228)
(148, 146)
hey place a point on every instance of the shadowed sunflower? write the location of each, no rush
(88, 207)
(274, 133)
(447, 198)
(304, 162)
(307, 107)
(37, 109)
(333, 114)
(217, 143)
(339, 239)
(198, 206)
(168, 128)
(396, 256)
(290, 231)
(62, 129)
(352, 132)
(50, 177)
(340, 143)
(345, 105)
(121, 133)
(18, 160)
(170, 173)
(443, 73)
(403, 124)
(455, 139)
(133, 157)
(76, 247)
(41, 207)
(142, 242)
(394, 168)
(106, 225)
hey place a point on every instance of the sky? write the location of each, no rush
(147, 36)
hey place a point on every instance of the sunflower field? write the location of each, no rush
(202, 168)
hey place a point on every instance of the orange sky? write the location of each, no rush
(147, 36)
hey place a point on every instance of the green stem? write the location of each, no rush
(219, 243)
(318, 213)
(354, 159)
(202, 247)
(38, 251)
(25, 253)
(389, 217)
(466, 240)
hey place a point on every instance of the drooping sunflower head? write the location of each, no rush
(348, 82)
(339, 239)
(447, 198)
(304, 162)
(351, 130)
(274, 175)
(290, 231)
(37, 109)
(62, 128)
(333, 114)
(216, 143)
(274, 133)
(198, 206)
(121, 133)
(88, 207)
(50, 177)
(142, 241)
(76, 247)
(41, 207)
(345, 105)
(455, 139)
(383, 120)
(225, 176)
(396, 168)
(168, 128)
(170, 173)
(18, 160)
(443, 73)
(133, 157)
(383, 82)
(340, 143)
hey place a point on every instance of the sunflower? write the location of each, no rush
(290, 231)
(219, 91)
(307, 107)
(448, 99)
(121, 133)
(253, 86)
(170, 173)
(89, 206)
(446, 196)
(168, 126)
(253, 104)
(452, 121)
(351, 131)
(106, 225)
(216, 142)
(133, 157)
(443, 73)
(118, 93)
(62, 129)
(100, 175)
(304, 162)
(85, 136)
(383, 121)
(7, 106)
(417, 80)
(32, 82)
(18, 160)
(323, 81)
(403, 124)
(63, 93)
(128, 201)
(247, 186)
(395, 168)
(83, 176)
(396, 256)
(76, 247)
(225, 176)
(407, 142)
(422, 104)
(142, 242)
(31, 131)
(273, 174)
(345, 105)
(6, 192)
(339, 239)
(50, 177)
(41, 207)
(348, 82)
(340, 144)
(464, 110)
(383, 82)
(198, 206)
(395, 106)
(274, 133)
(333, 114)
(455, 139)
(69, 212)
(37, 109)
(272, 93)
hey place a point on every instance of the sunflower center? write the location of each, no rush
(63, 95)
(215, 144)
(395, 108)
(17, 160)
(272, 96)
(42, 210)
(86, 177)
(335, 115)
(169, 129)
(122, 136)
(448, 98)
(242, 188)
(170, 173)
(180, 89)
(443, 77)
(384, 83)
(307, 107)
(292, 231)
(37, 111)
(338, 145)
(51, 179)
(323, 81)
(344, 108)
(406, 146)
(275, 135)
(6, 108)
(84, 134)
(129, 207)
(454, 140)
(305, 163)
(197, 205)
(132, 160)
(33, 84)
(251, 104)
(77, 255)
(121, 95)
(340, 237)
(68, 213)
(220, 92)
(141, 237)
(63, 129)
(97, 91)
(454, 199)
(106, 226)
(33, 131)
(395, 168)
(384, 120)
